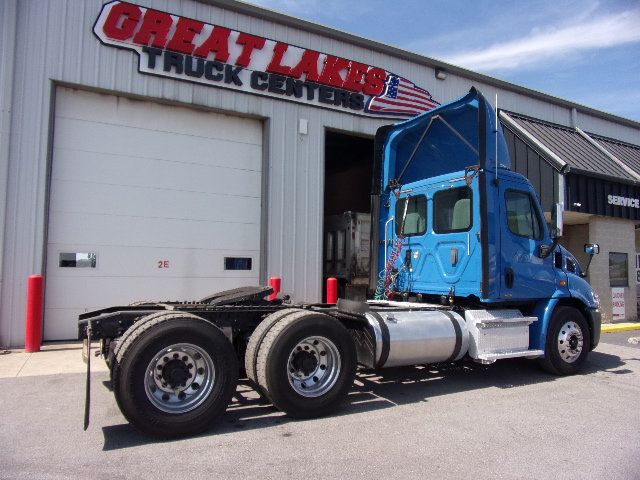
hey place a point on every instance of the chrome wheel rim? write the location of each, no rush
(179, 378)
(570, 342)
(313, 366)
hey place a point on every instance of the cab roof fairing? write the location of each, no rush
(452, 142)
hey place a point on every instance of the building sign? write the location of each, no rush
(187, 49)
(623, 201)
(617, 302)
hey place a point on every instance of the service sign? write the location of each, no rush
(623, 201)
(187, 49)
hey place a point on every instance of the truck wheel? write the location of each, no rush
(568, 340)
(307, 363)
(251, 355)
(110, 358)
(113, 360)
(175, 376)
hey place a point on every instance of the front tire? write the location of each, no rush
(307, 364)
(175, 376)
(568, 341)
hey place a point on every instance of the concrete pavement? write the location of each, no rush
(509, 420)
(53, 358)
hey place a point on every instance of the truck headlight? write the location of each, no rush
(596, 299)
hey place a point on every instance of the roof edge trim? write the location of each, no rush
(610, 155)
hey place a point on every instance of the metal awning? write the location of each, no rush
(625, 152)
(571, 149)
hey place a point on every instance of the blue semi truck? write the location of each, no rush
(465, 267)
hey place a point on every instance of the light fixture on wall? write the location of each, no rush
(303, 126)
(576, 204)
(440, 74)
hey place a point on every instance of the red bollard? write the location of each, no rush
(35, 300)
(275, 283)
(332, 290)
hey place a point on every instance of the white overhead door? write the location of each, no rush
(148, 202)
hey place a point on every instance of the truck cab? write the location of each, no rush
(456, 225)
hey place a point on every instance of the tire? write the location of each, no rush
(114, 360)
(306, 364)
(110, 359)
(195, 373)
(251, 354)
(568, 341)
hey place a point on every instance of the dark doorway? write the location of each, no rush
(348, 164)
(347, 212)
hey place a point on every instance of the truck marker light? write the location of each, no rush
(563, 283)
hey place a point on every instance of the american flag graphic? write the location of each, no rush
(401, 97)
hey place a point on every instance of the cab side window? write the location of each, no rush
(452, 210)
(414, 221)
(522, 216)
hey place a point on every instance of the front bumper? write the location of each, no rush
(594, 317)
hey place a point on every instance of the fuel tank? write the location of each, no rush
(415, 337)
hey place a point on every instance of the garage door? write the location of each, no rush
(147, 202)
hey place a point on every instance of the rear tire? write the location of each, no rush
(175, 376)
(131, 332)
(251, 355)
(568, 341)
(307, 364)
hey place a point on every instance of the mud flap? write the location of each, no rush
(86, 356)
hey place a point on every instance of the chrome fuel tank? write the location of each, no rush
(417, 337)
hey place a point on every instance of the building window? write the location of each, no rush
(618, 269)
(77, 260)
(237, 263)
(452, 210)
(415, 220)
(522, 215)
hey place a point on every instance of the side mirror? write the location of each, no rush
(556, 221)
(591, 248)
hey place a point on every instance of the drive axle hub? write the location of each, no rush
(179, 378)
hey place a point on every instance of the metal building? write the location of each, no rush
(172, 148)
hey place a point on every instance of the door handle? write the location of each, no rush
(509, 277)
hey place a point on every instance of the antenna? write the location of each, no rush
(496, 132)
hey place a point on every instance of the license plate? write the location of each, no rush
(85, 350)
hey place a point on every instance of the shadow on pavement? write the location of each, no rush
(378, 390)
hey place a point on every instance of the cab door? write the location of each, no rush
(525, 273)
(441, 252)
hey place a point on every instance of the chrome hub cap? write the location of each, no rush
(179, 378)
(570, 342)
(313, 366)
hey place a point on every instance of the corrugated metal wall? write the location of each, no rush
(592, 196)
(54, 43)
(8, 12)
(532, 165)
